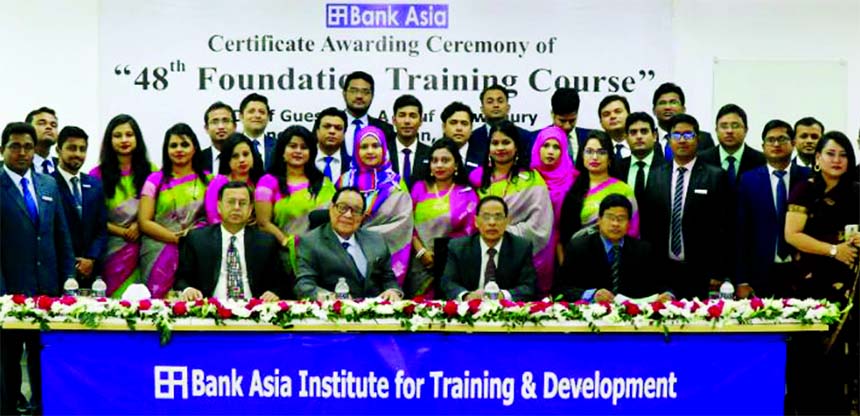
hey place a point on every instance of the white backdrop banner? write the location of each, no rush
(164, 62)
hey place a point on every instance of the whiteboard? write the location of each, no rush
(787, 90)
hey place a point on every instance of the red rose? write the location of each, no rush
(539, 307)
(632, 309)
(450, 308)
(657, 306)
(418, 299)
(678, 304)
(101, 300)
(225, 313)
(385, 302)
(506, 303)
(607, 305)
(125, 304)
(581, 302)
(409, 310)
(214, 301)
(474, 305)
(715, 310)
(68, 300)
(433, 304)
(252, 303)
(756, 304)
(19, 299)
(180, 308)
(564, 304)
(199, 302)
(695, 307)
(144, 305)
(44, 302)
(284, 305)
(337, 306)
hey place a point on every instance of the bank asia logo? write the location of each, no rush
(168, 379)
(407, 16)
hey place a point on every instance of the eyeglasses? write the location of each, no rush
(778, 141)
(343, 208)
(687, 135)
(356, 91)
(733, 125)
(492, 217)
(595, 152)
(17, 147)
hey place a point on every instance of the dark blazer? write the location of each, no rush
(481, 137)
(386, 128)
(581, 137)
(758, 226)
(200, 262)
(321, 260)
(36, 258)
(623, 168)
(207, 160)
(420, 165)
(706, 141)
(750, 159)
(704, 224)
(514, 273)
(587, 266)
(89, 230)
(270, 139)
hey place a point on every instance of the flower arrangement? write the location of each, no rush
(418, 313)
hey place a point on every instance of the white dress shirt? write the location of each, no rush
(685, 190)
(335, 163)
(259, 143)
(485, 258)
(625, 148)
(68, 178)
(216, 155)
(16, 179)
(355, 252)
(221, 286)
(773, 182)
(349, 135)
(412, 149)
(38, 160)
(634, 168)
(573, 145)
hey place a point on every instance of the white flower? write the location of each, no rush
(384, 309)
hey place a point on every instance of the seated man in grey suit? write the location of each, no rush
(492, 254)
(340, 249)
(230, 260)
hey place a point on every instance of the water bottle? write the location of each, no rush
(727, 290)
(70, 287)
(341, 289)
(99, 288)
(491, 290)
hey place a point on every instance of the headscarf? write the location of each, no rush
(559, 177)
(380, 178)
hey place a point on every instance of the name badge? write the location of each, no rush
(471, 164)
(86, 185)
(47, 198)
(700, 191)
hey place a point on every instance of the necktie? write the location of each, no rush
(781, 207)
(639, 184)
(76, 193)
(234, 272)
(731, 170)
(667, 150)
(357, 123)
(618, 148)
(490, 271)
(359, 264)
(327, 170)
(259, 152)
(615, 268)
(677, 209)
(29, 202)
(46, 166)
(406, 170)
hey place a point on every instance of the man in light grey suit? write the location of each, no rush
(340, 249)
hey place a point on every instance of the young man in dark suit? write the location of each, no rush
(84, 204)
(358, 90)
(406, 150)
(643, 160)
(765, 263)
(457, 126)
(44, 120)
(332, 158)
(565, 112)
(255, 114)
(231, 260)
(219, 122)
(667, 102)
(495, 106)
(491, 254)
(604, 261)
(732, 155)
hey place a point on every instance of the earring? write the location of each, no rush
(817, 167)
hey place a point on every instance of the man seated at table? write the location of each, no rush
(492, 254)
(605, 261)
(230, 260)
(340, 249)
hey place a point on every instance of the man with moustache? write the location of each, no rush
(409, 157)
(668, 101)
(636, 168)
(807, 132)
(83, 203)
(44, 120)
(732, 155)
(613, 111)
(220, 123)
(358, 90)
(254, 111)
(457, 126)
(495, 106)
(332, 158)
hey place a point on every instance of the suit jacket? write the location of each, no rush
(581, 138)
(207, 160)
(704, 224)
(270, 139)
(89, 230)
(200, 259)
(750, 159)
(420, 165)
(322, 260)
(587, 266)
(386, 128)
(514, 273)
(480, 139)
(758, 227)
(706, 141)
(623, 168)
(36, 258)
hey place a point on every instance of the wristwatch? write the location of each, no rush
(832, 250)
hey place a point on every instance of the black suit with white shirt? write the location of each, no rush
(420, 161)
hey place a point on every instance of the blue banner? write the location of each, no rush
(412, 373)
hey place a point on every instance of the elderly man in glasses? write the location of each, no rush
(340, 249)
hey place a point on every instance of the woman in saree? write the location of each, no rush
(506, 174)
(292, 189)
(582, 202)
(123, 169)
(443, 207)
(171, 204)
(550, 160)
(242, 165)
(388, 204)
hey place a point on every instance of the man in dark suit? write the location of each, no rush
(641, 136)
(406, 150)
(668, 101)
(604, 261)
(612, 112)
(230, 260)
(732, 155)
(37, 253)
(565, 112)
(340, 249)
(490, 255)
(358, 90)
(83, 203)
(220, 122)
(332, 159)
(764, 259)
(44, 120)
(255, 114)
(807, 133)
(495, 107)
(683, 216)
(457, 126)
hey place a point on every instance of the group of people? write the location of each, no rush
(641, 207)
